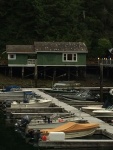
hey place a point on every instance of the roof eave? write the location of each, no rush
(21, 52)
(62, 51)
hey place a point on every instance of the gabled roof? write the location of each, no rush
(20, 49)
(78, 47)
(60, 47)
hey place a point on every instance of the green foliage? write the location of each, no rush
(23, 22)
(103, 46)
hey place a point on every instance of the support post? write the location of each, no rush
(10, 72)
(44, 72)
(54, 76)
(101, 82)
(68, 73)
(22, 72)
(35, 77)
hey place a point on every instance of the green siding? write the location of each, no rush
(20, 59)
(56, 59)
(48, 59)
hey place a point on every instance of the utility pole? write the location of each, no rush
(101, 82)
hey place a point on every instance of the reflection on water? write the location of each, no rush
(9, 140)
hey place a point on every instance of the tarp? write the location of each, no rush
(11, 88)
(71, 127)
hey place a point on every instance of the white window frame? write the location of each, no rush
(65, 55)
(10, 57)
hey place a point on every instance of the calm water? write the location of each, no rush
(10, 140)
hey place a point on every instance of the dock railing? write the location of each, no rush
(105, 61)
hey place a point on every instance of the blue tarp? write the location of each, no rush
(11, 88)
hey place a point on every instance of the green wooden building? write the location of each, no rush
(60, 58)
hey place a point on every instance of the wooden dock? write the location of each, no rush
(34, 109)
(82, 143)
(18, 115)
(79, 143)
(105, 128)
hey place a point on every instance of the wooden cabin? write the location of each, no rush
(49, 58)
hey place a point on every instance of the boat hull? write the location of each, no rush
(103, 113)
(37, 104)
(79, 134)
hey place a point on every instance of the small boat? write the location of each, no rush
(52, 123)
(105, 112)
(35, 102)
(83, 95)
(11, 88)
(60, 91)
(14, 93)
(73, 130)
(62, 88)
(89, 109)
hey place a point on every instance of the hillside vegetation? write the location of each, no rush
(26, 21)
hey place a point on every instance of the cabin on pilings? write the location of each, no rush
(53, 60)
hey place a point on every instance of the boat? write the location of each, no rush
(104, 112)
(82, 95)
(11, 88)
(91, 108)
(73, 129)
(63, 88)
(52, 122)
(34, 102)
(15, 92)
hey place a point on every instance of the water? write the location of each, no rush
(11, 140)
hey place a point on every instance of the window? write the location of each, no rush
(69, 57)
(12, 56)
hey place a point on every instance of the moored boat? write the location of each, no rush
(83, 95)
(15, 93)
(52, 123)
(34, 103)
(63, 88)
(104, 112)
(73, 130)
(89, 109)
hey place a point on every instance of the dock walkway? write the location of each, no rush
(91, 119)
(77, 112)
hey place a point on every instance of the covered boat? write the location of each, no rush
(74, 130)
(15, 92)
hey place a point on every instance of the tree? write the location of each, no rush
(103, 46)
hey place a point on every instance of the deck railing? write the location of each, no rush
(31, 61)
(105, 61)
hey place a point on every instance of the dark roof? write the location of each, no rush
(60, 46)
(79, 47)
(20, 49)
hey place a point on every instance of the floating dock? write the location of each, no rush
(75, 143)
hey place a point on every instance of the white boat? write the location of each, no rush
(104, 112)
(35, 102)
(91, 108)
(73, 130)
